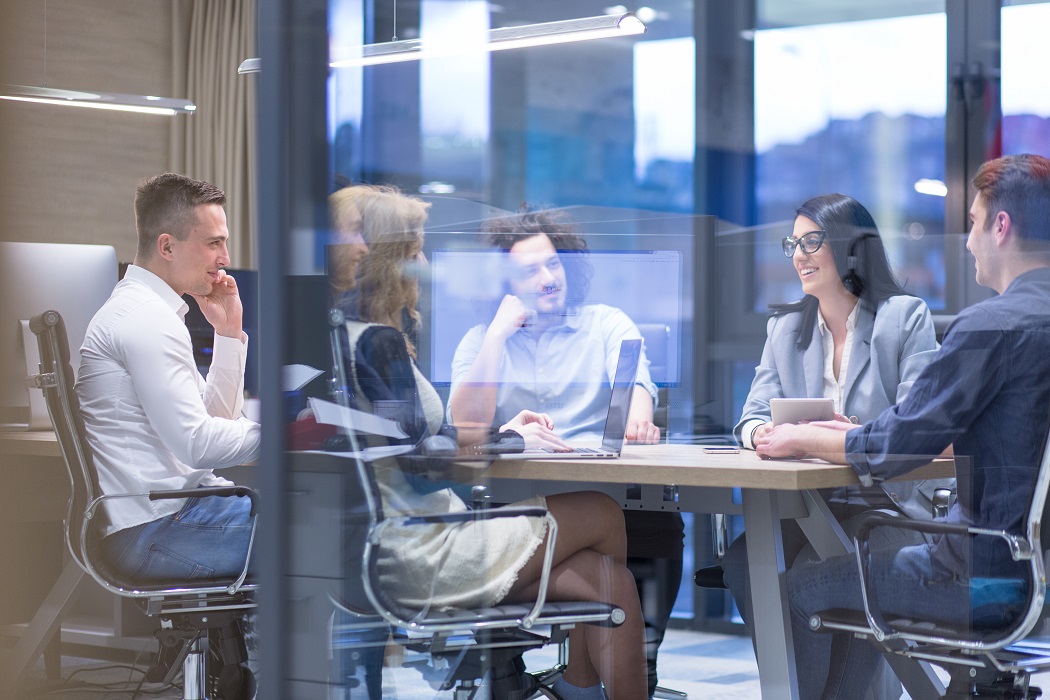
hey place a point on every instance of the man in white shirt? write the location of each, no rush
(152, 421)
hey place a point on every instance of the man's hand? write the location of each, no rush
(222, 307)
(537, 429)
(511, 315)
(642, 432)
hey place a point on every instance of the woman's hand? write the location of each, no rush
(840, 422)
(781, 442)
(537, 429)
(852, 420)
(760, 432)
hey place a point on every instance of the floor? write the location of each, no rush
(706, 666)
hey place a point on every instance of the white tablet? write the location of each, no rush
(796, 410)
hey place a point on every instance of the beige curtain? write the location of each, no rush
(217, 144)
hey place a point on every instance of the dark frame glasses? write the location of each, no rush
(809, 243)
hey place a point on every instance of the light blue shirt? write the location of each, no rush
(565, 371)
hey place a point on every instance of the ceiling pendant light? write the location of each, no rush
(565, 31)
(143, 104)
(116, 101)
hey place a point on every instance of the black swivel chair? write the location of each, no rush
(201, 622)
(984, 661)
(465, 646)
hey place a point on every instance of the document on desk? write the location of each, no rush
(370, 454)
(295, 377)
(358, 421)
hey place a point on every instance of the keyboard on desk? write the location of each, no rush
(576, 450)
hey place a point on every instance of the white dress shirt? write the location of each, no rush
(835, 385)
(152, 421)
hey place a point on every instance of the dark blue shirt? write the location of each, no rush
(988, 394)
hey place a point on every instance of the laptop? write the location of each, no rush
(615, 421)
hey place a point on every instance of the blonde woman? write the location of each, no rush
(485, 562)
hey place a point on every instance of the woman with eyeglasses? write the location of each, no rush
(856, 337)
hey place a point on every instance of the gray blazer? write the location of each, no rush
(891, 346)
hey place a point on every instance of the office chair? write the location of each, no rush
(200, 621)
(983, 661)
(465, 646)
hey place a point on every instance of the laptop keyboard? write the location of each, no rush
(588, 450)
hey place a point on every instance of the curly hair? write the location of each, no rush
(503, 232)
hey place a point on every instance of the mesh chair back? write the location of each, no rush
(362, 505)
(64, 408)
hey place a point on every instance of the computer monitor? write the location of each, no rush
(643, 263)
(74, 280)
(467, 286)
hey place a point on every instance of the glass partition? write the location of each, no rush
(1025, 86)
(856, 107)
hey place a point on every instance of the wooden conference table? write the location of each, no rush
(685, 478)
(665, 477)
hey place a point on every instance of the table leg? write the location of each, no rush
(828, 539)
(765, 557)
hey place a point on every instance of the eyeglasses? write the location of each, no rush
(809, 243)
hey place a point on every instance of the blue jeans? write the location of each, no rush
(208, 538)
(798, 550)
(908, 582)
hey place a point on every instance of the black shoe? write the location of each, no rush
(710, 577)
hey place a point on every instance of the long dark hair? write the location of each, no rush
(859, 257)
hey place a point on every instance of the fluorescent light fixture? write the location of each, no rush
(933, 187)
(542, 34)
(143, 104)
(566, 31)
(249, 65)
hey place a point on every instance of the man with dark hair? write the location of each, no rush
(987, 394)
(152, 421)
(550, 350)
(542, 325)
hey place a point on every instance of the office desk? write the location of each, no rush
(659, 477)
(683, 477)
(33, 504)
(34, 498)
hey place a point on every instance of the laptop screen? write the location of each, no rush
(622, 390)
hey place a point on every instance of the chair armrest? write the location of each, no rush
(222, 491)
(470, 515)
(867, 522)
(202, 491)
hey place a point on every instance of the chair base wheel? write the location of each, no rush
(999, 689)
